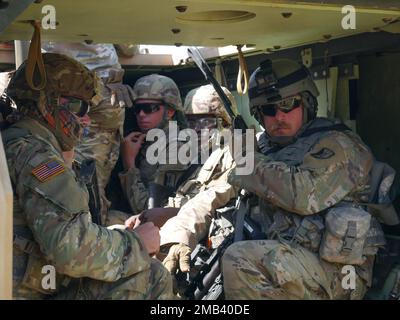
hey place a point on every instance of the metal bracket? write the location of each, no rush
(320, 72)
(306, 57)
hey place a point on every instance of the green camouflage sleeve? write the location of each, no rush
(191, 223)
(56, 211)
(166, 174)
(134, 189)
(193, 219)
(336, 166)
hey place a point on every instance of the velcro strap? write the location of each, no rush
(25, 245)
(350, 238)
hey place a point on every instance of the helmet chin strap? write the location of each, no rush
(164, 122)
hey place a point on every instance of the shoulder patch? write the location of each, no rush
(324, 153)
(48, 170)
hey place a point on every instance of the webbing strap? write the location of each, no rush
(243, 73)
(35, 60)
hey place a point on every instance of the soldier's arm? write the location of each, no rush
(57, 213)
(334, 168)
(193, 219)
(167, 174)
(134, 189)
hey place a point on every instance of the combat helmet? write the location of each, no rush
(158, 87)
(66, 77)
(205, 100)
(276, 80)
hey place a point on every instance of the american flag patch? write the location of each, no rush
(48, 170)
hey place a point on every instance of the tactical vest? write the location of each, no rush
(344, 233)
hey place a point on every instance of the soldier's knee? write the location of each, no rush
(232, 253)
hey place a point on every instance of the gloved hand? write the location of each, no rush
(178, 253)
(121, 94)
(109, 86)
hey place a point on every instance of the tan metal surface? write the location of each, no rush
(6, 210)
(152, 21)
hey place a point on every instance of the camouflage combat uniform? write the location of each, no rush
(135, 181)
(208, 188)
(52, 222)
(101, 140)
(311, 192)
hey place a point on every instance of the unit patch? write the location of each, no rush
(324, 153)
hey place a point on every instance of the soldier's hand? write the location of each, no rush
(178, 254)
(150, 236)
(134, 221)
(158, 215)
(130, 147)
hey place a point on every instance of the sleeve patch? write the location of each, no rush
(324, 153)
(48, 170)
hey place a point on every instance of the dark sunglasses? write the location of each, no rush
(147, 107)
(285, 106)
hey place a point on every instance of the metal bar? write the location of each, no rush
(6, 228)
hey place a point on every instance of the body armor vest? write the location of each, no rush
(311, 231)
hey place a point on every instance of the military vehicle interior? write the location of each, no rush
(355, 60)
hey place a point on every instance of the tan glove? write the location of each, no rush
(121, 94)
(178, 253)
(109, 86)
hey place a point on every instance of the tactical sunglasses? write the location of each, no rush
(147, 107)
(74, 105)
(285, 106)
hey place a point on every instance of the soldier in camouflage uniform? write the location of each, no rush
(311, 176)
(102, 137)
(157, 104)
(52, 222)
(208, 189)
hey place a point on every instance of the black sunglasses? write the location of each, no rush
(147, 107)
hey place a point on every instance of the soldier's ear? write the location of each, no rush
(170, 113)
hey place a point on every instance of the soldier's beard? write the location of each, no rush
(276, 137)
(278, 126)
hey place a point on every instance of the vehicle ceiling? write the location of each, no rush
(261, 24)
